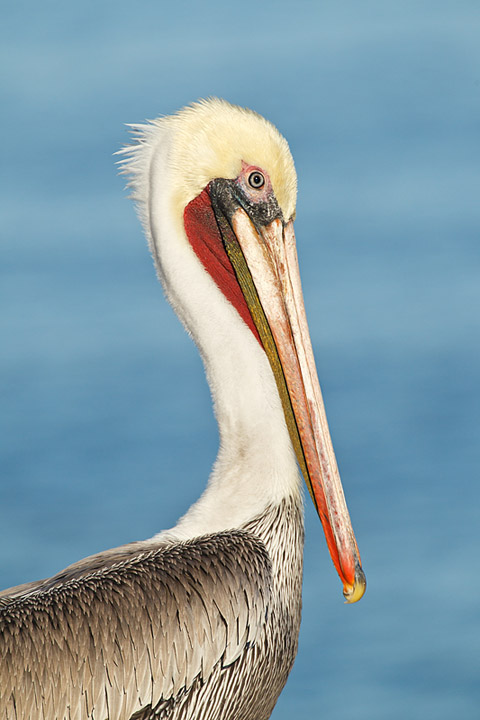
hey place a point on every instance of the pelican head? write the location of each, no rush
(217, 182)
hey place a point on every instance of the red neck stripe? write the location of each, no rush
(205, 238)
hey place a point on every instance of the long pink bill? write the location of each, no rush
(271, 256)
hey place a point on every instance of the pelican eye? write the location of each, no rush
(256, 180)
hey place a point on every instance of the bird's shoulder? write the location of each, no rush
(145, 619)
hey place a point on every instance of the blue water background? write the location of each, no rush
(107, 433)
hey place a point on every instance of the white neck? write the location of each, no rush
(256, 465)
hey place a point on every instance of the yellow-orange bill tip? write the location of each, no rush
(354, 593)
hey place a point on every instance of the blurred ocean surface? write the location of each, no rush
(107, 433)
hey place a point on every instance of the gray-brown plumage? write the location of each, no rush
(201, 622)
(169, 631)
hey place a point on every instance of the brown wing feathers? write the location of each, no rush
(122, 631)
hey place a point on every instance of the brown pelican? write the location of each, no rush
(202, 620)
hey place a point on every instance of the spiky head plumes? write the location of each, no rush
(207, 140)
